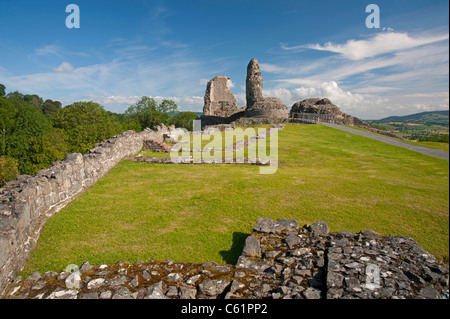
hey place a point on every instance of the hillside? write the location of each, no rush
(427, 118)
(425, 126)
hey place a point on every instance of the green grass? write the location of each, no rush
(197, 213)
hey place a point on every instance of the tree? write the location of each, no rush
(183, 119)
(8, 169)
(149, 114)
(85, 124)
(2, 90)
(7, 114)
(34, 100)
(29, 127)
(128, 122)
(51, 107)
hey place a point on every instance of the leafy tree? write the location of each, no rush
(34, 100)
(149, 114)
(128, 122)
(7, 114)
(8, 169)
(29, 127)
(2, 90)
(183, 119)
(16, 95)
(51, 107)
(85, 124)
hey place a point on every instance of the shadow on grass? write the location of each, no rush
(231, 256)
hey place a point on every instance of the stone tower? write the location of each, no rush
(254, 83)
(219, 101)
(257, 104)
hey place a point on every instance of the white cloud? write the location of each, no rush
(382, 43)
(365, 105)
(331, 90)
(64, 67)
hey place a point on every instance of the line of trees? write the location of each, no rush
(35, 132)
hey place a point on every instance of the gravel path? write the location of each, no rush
(424, 150)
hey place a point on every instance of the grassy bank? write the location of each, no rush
(194, 213)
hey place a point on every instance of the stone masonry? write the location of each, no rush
(156, 146)
(219, 101)
(27, 202)
(280, 260)
(257, 104)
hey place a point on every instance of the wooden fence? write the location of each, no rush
(311, 118)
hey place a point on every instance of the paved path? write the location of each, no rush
(424, 150)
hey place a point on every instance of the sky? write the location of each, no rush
(124, 50)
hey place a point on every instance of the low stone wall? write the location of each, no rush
(156, 146)
(27, 202)
(280, 260)
(191, 160)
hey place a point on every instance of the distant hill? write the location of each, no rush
(419, 126)
(427, 118)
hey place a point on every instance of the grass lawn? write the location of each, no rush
(195, 213)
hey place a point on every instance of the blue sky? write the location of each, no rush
(170, 49)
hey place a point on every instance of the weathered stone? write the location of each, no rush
(301, 251)
(325, 106)
(219, 101)
(89, 295)
(254, 83)
(353, 284)
(292, 241)
(252, 247)
(39, 285)
(73, 281)
(63, 294)
(95, 283)
(319, 228)
(429, 292)
(156, 292)
(85, 267)
(257, 105)
(134, 282)
(281, 225)
(105, 294)
(174, 277)
(172, 291)
(187, 293)
(213, 287)
(264, 225)
(312, 293)
(334, 280)
(236, 285)
(192, 280)
(34, 277)
(334, 293)
(122, 293)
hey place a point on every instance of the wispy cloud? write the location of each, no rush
(382, 43)
(369, 77)
(48, 50)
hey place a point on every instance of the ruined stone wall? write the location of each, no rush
(27, 202)
(279, 260)
(219, 101)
